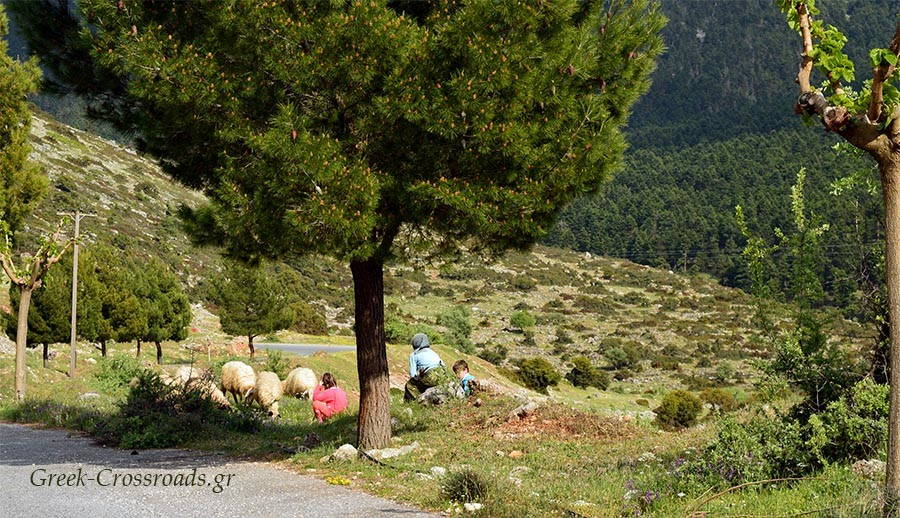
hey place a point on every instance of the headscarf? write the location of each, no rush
(420, 341)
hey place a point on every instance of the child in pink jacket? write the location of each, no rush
(328, 399)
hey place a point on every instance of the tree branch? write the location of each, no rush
(879, 76)
(806, 65)
(9, 268)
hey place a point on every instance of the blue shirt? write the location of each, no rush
(467, 388)
(423, 360)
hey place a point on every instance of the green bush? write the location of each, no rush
(155, 415)
(465, 486)
(678, 409)
(628, 355)
(115, 372)
(523, 283)
(538, 374)
(593, 304)
(720, 400)
(277, 362)
(521, 320)
(459, 328)
(497, 355)
(585, 374)
(307, 319)
(855, 426)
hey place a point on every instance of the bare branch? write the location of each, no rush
(10, 269)
(879, 76)
(806, 66)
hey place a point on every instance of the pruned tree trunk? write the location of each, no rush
(21, 338)
(138, 354)
(890, 182)
(46, 355)
(158, 352)
(103, 348)
(374, 425)
(250, 345)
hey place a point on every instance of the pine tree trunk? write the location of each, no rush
(374, 425)
(158, 353)
(103, 348)
(890, 179)
(46, 355)
(21, 339)
(250, 344)
(138, 355)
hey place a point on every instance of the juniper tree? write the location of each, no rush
(372, 131)
(867, 116)
(165, 305)
(250, 301)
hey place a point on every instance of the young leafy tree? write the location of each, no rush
(251, 302)
(868, 117)
(49, 316)
(371, 131)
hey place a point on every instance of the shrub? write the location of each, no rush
(538, 374)
(562, 337)
(307, 319)
(856, 425)
(521, 320)
(277, 363)
(720, 400)
(115, 372)
(465, 486)
(585, 374)
(523, 283)
(623, 374)
(678, 409)
(155, 415)
(627, 355)
(459, 329)
(593, 304)
(704, 362)
(496, 355)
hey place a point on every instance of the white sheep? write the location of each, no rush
(300, 383)
(267, 392)
(188, 375)
(238, 379)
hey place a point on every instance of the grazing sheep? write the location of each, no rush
(300, 383)
(238, 379)
(188, 375)
(267, 392)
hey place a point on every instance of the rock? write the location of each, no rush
(311, 441)
(408, 411)
(515, 475)
(387, 453)
(7, 346)
(438, 471)
(500, 453)
(345, 452)
(523, 410)
(90, 360)
(515, 454)
(441, 394)
(472, 507)
(89, 395)
(871, 468)
(478, 402)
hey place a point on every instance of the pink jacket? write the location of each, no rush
(335, 398)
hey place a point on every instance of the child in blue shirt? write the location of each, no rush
(466, 380)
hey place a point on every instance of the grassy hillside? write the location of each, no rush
(688, 330)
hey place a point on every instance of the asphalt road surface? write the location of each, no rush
(50, 473)
(304, 349)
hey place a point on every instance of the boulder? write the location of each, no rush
(387, 453)
(345, 452)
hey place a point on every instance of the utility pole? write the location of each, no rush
(76, 216)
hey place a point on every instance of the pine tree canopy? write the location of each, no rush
(338, 127)
(22, 184)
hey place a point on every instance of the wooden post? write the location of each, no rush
(73, 355)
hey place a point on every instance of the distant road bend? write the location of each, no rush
(304, 349)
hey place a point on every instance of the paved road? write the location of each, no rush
(304, 349)
(245, 489)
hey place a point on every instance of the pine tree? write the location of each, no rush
(251, 302)
(21, 186)
(372, 131)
